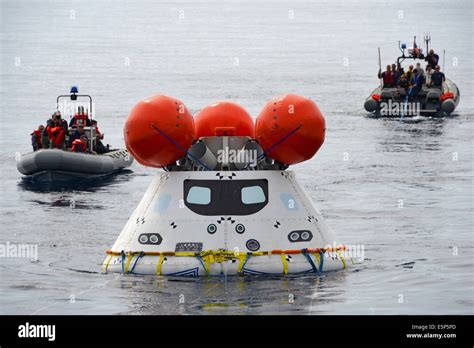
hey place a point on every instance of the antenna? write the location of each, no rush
(427, 38)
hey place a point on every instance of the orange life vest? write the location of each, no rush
(79, 146)
(37, 132)
(57, 135)
(82, 119)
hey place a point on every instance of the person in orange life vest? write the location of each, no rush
(36, 138)
(57, 133)
(387, 77)
(80, 145)
(76, 135)
(79, 118)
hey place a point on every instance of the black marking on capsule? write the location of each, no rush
(252, 245)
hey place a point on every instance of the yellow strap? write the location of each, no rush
(107, 263)
(317, 259)
(207, 262)
(285, 263)
(185, 253)
(342, 259)
(129, 259)
(242, 258)
(160, 264)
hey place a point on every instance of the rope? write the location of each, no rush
(308, 257)
(142, 253)
(122, 253)
(203, 265)
(243, 261)
(179, 146)
(276, 144)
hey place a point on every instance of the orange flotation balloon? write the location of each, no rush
(224, 118)
(158, 130)
(291, 128)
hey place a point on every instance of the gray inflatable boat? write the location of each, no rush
(428, 100)
(59, 165)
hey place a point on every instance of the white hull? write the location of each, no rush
(169, 235)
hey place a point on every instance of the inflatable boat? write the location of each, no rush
(225, 203)
(51, 165)
(59, 165)
(394, 101)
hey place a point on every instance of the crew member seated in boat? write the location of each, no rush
(76, 134)
(403, 82)
(80, 145)
(36, 138)
(57, 132)
(437, 78)
(79, 118)
(45, 136)
(99, 147)
(387, 77)
(415, 88)
(432, 59)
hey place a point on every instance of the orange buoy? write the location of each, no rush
(290, 129)
(224, 118)
(158, 131)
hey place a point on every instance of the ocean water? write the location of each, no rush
(402, 189)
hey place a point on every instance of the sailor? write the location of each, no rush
(396, 74)
(79, 118)
(437, 78)
(418, 80)
(387, 77)
(36, 138)
(99, 147)
(403, 82)
(97, 131)
(80, 145)
(409, 74)
(432, 59)
(45, 136)
(77, 134)
(57, 137)
(61, 122)
(420, 70)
